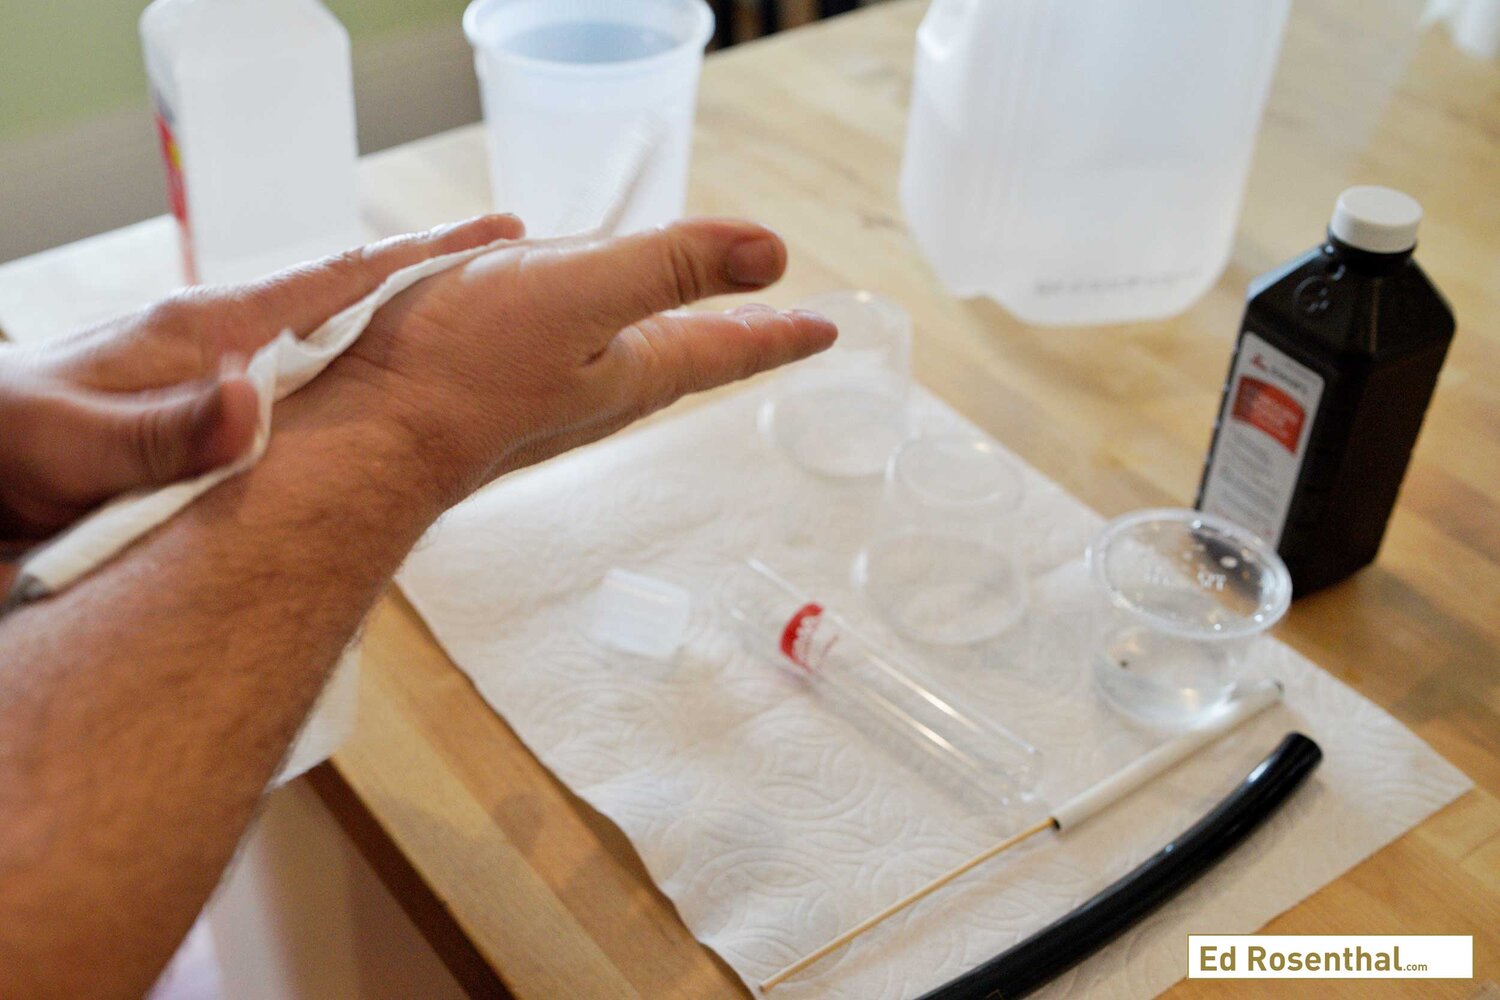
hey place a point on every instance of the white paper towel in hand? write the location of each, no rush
(277, 370)
(773, 824)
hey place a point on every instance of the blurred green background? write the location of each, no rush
(64, 61)
(78, 152)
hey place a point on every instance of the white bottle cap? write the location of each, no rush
(640, 614)
(1376, 219)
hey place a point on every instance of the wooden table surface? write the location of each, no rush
(524, 888)
(515, 878)
(511, 873)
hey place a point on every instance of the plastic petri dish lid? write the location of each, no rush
(866, 322)
(1190, 574)
(843, 412)
(955, 473)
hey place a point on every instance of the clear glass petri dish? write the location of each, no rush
(841, 413)
(1178, 597)
(942, 564)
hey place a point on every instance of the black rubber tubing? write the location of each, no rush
(1061, 945)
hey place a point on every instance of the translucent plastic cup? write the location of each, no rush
(942, 566)
(569, 87)
(843, 412)
(1179, 595)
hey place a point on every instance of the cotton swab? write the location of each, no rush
(1071, 813)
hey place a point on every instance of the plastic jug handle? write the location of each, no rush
(943, 26)
(944, 54)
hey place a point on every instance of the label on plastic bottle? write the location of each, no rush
(1263, 433)
(171, 158)
(805, 641)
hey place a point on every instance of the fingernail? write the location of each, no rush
(814, 317)
(449, 228)
(509, 219)
(755, 262)
(754, 307)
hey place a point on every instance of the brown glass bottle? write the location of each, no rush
(1335, 365)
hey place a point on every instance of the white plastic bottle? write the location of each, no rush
(1083, 162)
(255, 107)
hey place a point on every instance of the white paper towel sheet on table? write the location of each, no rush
(773, 825)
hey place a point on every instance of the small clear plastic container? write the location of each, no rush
(877, 691)
(941, 566)
(843, 412)
(1178, 596)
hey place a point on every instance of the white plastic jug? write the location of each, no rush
(1083, 162)
(255, 110)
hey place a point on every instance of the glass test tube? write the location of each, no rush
(874, 689)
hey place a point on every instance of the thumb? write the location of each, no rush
(150, 439)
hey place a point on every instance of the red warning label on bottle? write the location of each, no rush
(1263, 432)
(1262, 405)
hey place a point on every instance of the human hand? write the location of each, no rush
(160, 395)
(538, 348)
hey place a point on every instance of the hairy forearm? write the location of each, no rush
(143, 711)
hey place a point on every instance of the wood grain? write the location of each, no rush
(804, 132)
(524, 888)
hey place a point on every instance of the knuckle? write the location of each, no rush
(351, 264)
(359, 266)
(655, 381)
(538, 302)
(155, 446)
(689, 282)
(754, 355)
(175, 312)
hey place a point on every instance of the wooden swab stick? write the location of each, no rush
(1087, 803)
(901, 904)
